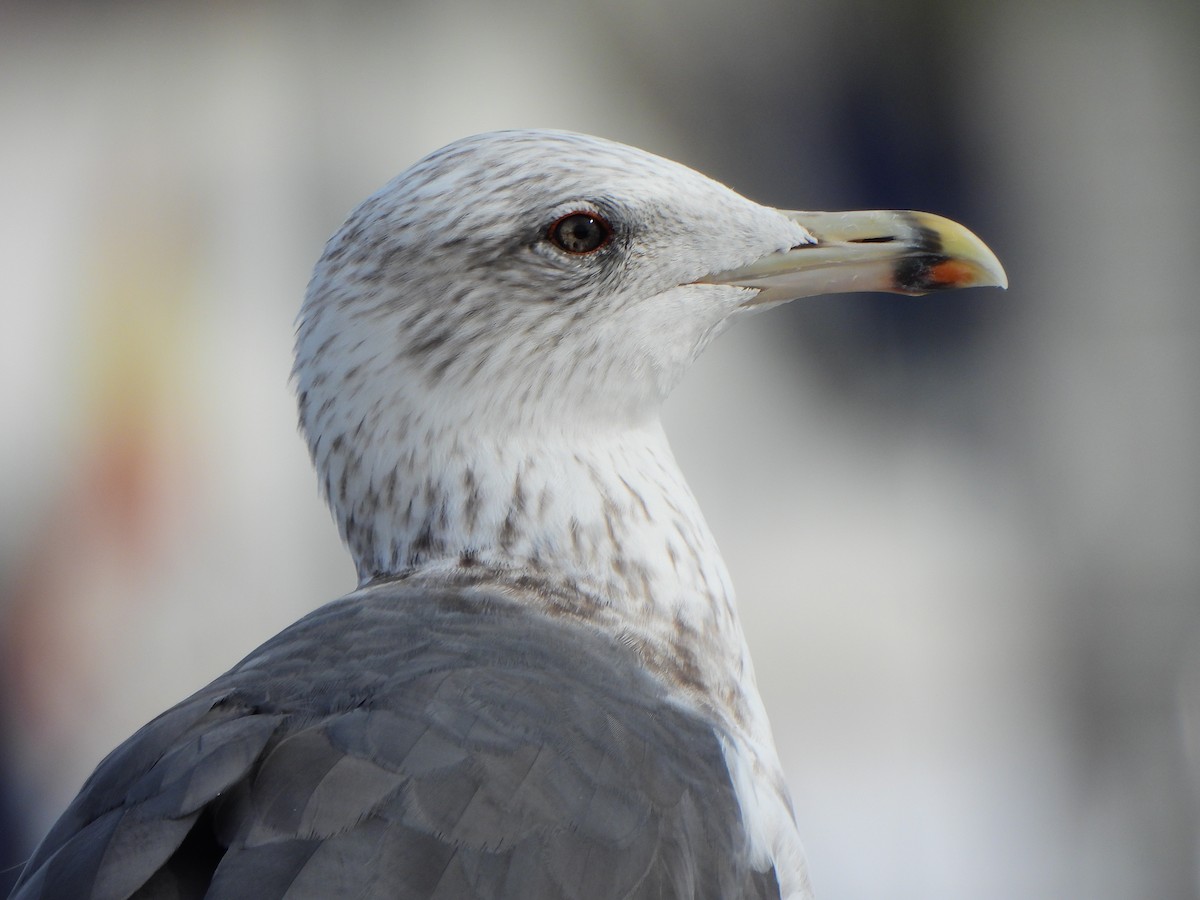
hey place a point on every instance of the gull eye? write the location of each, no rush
(580, 232)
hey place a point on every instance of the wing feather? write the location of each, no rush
(414, 743)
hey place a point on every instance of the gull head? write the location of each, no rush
(543, 283)
(527, 278)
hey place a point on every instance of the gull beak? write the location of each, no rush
(878, 250)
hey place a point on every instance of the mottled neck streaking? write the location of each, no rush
(607, 510)
(600, 519)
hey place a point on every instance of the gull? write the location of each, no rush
(540, 687)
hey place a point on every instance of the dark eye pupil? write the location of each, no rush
(580, 233)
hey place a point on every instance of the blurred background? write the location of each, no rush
(965, 530)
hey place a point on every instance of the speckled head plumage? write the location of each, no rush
(449, 274)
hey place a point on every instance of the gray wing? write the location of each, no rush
(413, 744)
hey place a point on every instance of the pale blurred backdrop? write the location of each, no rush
(965, 530)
